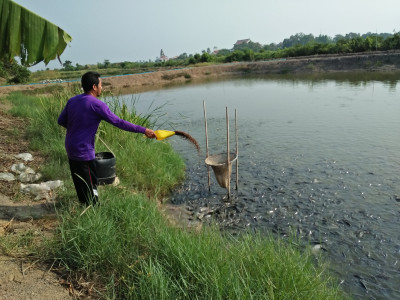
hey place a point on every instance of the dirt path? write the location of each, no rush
(22, 278)
(25, 280)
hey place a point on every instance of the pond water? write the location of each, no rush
(317, 156)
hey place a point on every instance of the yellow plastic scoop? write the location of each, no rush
(163, 134)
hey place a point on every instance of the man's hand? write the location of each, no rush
(150, 133)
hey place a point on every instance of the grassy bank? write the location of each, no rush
(129, 249)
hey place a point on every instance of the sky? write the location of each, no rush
(132, 30)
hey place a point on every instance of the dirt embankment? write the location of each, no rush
(370, 62)
(366, 62)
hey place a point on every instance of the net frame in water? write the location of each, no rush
(222, 175)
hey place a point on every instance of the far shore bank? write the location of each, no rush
(388, 62)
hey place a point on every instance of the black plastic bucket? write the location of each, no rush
(105, 167)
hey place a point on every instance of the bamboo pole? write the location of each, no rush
(208, 167)
(227, 150)
(237, 151)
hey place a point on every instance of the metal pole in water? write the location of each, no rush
(237, 151)
(208, 167)
(227, 150)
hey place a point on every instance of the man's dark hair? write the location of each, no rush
(89, 79)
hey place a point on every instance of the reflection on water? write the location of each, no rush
(319, 156)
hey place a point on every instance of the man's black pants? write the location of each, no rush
(85, 180)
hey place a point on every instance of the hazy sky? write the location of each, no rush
(131, 30)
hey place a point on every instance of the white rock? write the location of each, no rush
(316, 249)
(21, 168)
(41, 190)
(29, 177)
(53, 184)
(7, 177)
(34, 188)
(24, 156)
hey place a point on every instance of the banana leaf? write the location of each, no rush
(26, 35)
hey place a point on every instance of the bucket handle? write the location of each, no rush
(98, 136)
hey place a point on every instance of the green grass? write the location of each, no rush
(127, 240)
(130, 251)
(126, 243)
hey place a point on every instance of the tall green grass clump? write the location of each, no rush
(126, 244)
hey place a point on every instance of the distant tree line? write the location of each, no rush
(296, 45)
(306, 45)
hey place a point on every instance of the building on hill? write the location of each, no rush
(241, 42)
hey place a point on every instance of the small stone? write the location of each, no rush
(21, 168)
(116, 181)
(24, 156)
(28, 177)
(317, 248)
(7, 177)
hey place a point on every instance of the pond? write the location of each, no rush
(317, 156)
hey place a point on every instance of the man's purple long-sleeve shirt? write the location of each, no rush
(82, 116)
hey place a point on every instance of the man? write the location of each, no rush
(81, 117)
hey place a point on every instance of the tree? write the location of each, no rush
(298, 39)
(271, 47)
(223, 52)
(323, 39)
(68, 65)
(352, 35)
(191, 61)
(357, 44)
(183, 56)
(337, 38)
(248, 55)
(250, 45)
(205, 57)
(392, 42)
(79, 67)
(106, 63)
(13, 72)
(196, 57)
(28, 36)
(236, 55)
(342, 46)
